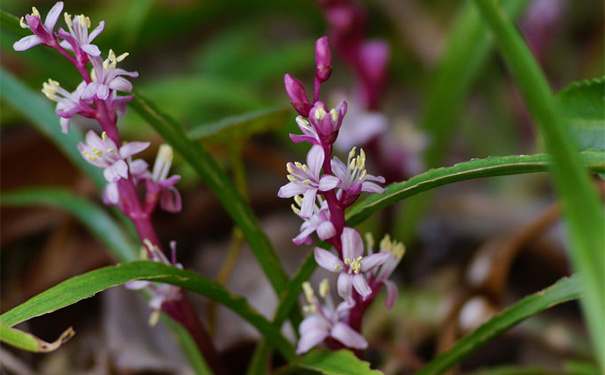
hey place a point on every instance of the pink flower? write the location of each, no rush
(78, 40)
(68, 104)
(107, 77)
(396, 250)
(43, 32)
(103, 153)
(298, 95)
(352, 270)
(327, 124)
(326, 321)
(353, 178)
(323, 59)
(306, 180)
(318, 222)
(162, 185)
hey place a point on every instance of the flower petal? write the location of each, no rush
(368, 263)
(120, 84)
(170, 200)
(391, 293)
(352, 245)
(291, 189)
(345, 288)
(91, 49)
(328, 260)
(53, 16)
(315, 160)
(371, 187)
(326, 230)
(111, 195)
(361, 285)
(132, 148)
(328, 182)
(347, 336)
(309, 339)
(308, 203)
(27, 43)
(96, 32)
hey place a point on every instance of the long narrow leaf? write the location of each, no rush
(581, 208)
(92, 216)
(91, 283)
(29, 342)
(563, 290)
(212, 174)
(476, 168)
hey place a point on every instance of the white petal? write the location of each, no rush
(96, 32)
(91, 49)
(132, 148)
(64, 125)
(328, 182)
(111, 195)
(348, 337)
(391, 293)
(53, 16)
(345, 288)
(308, 203)
(371, 187)
(326, 230)
(352, 245)
(368, 263)
(27, 43)
(291, 189)
(315, 159)
(120, 84)
(361, 285)
(309, 339)
(328, 260)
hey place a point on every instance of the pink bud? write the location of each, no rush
(323, 59)
(298, 95)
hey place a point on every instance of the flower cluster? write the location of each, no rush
(131, 186)
(322, 190)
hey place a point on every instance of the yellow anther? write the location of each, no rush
(122, 57)
(304, 167)
(337, 267)
(291, 178)
(295, 209)
(83, 21)
(363, 175)
(324, 288)
(23, 24)
(90, 157)
(289, 167)
(67, 18)
(396, 248)
(307, 182)
(352, 153)
(93, 75)
(104, 136)
(309, 293)
(154, 318)
(298, 165)
(97, 152)
(310, 309)
(50, 89)
(353, 164)
(35, 12)
(320, 114)
(111, 150)
(354, 264)
(298, 199)
(334, 115)
(361, 160)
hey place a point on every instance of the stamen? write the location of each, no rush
(291, 178)
(295, 209)
(324, 288)
(309, 293)
(122, 57)
(289, 167)
(370, 242)
(104, 136)
(298, 199)
(67, 18)
(23, 24)
(310, 309)
(352, 153)
(35, 12)
(354, 264)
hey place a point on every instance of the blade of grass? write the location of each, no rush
(476, 168)
(563, 290)
(581, 208)
(212, 174)
(91, 283)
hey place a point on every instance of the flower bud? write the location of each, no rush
(323, 59)
(298, 95)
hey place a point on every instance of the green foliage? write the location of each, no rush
(29, 342)
(91, 283)
(342, 362)
(582, 104)
(581, 207)
(563, 290)
(475, 168)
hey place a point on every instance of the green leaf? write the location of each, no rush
(517, 370)
(37, 109)
(566, 289)
(582, 208)
(212, 174)
(92, 216)
(91, 283)
(29, 342)
(475, 168)
(583, 106)
(241, 127)
(342, 362)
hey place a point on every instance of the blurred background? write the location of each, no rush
(207, 62)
